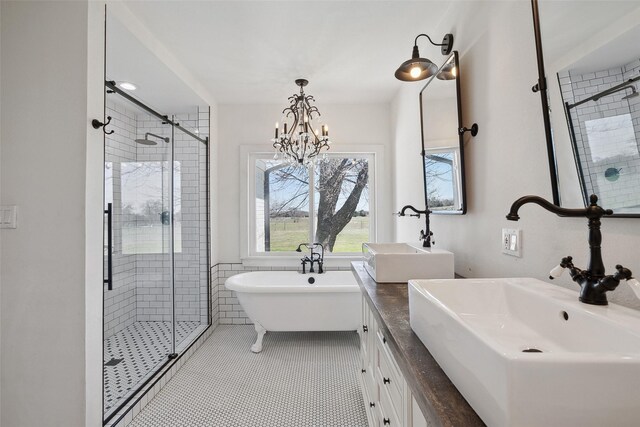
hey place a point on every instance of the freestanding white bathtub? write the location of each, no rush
(290, 301)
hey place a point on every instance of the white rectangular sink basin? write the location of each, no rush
(399, 262)
(588, 370)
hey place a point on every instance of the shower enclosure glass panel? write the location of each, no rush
(138, 303)
(157, 287)
(190, 224)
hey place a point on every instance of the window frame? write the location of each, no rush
(249, 155)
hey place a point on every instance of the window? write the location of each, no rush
(327, 203)
(146, 212)
(443, 178)
(611, 137)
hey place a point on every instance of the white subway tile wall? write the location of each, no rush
(576, 87)
(190, 258)
(120, 302)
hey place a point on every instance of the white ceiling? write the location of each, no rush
(157, 86)
(250, 52)
(566, 25)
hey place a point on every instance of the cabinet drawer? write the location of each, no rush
(389, 384)
(388, 415)
(390, 380)
(384, 349)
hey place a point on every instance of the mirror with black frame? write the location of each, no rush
(442, 143)
(590, 55)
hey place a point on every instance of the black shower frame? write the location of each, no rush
(173, 357)
(111, 86)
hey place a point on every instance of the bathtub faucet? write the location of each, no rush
(313, 258)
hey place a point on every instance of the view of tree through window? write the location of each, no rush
(146, 209)
(440, 176)
(340, 197)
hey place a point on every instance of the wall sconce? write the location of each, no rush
(417, 68)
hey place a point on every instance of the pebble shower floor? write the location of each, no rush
(299, 379)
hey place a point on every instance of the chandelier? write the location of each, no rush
(296, 142)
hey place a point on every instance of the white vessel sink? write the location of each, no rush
(588, 370)
(399, 262)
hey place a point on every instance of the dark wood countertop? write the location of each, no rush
(436, 395)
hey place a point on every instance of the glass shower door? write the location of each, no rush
(191, 226)
(138, 294)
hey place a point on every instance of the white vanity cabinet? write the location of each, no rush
(388, 400)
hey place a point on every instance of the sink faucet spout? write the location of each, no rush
(426, 234)
(593, 283)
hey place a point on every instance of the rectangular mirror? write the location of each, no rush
(592, 67)
(442, 145)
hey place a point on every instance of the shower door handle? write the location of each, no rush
(109, 280)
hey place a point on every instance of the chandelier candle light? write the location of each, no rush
(296, 142)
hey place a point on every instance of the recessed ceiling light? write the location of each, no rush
(127, 86)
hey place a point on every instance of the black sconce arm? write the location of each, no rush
(446, 45)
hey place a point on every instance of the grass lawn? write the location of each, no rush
(288, 233)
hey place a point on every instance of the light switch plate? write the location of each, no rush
(8, 216)
(512, 242)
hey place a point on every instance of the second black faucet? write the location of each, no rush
(594, 284)
(313, 258)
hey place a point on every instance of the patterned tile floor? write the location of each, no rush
(132, 354)
(300, 379)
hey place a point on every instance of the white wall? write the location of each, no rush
(253, 124)
(505, 161)
(51, 291)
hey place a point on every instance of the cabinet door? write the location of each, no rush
(368, 383)
(363, 330)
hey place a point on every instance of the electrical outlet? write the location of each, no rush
(512, 242)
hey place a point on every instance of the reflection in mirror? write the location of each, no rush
(592, 62)
(601, 124)
(441, 143)
(442, 175)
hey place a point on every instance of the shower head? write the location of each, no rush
(633, 93)
(147, 141)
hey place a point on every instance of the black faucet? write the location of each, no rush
(313, 258)
(425, 235)
(593, 283)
